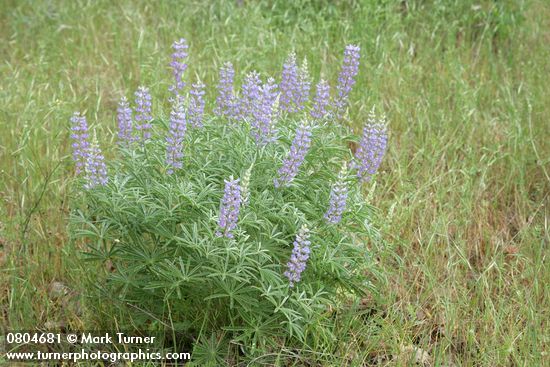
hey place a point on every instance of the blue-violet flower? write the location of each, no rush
(124, 119)
(298, 150)
(321, 101)
(263, 129)
(346, 79)
(300, 254)
(195, 111)
(338, 197)
(143, 115)
(176, 134)
(96, 171)
(250, 95)
(371, 147)
(289, 86)
(178, 65)
(229, 208)
(226, 102)
(80, 144)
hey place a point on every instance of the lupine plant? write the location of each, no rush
(231, 228)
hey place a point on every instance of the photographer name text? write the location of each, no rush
(77, 338)
(118, 338)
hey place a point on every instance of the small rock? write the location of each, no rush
(54, 325)
(421, 357)
(58, 289)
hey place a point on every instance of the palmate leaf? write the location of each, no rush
(269, 276)
(237, 292)
(256, 333)
(177, 271)
(293, 323)
(210, 351)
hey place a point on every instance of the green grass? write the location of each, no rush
(463, 191)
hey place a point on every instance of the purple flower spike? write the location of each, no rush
(263, 129)
(371, 147)
(290, 87)
(338, 198)
(80, 143)
(178, 65)
(298, 151)
(143, 113)
(196, 105)
(250, 95)
(174, 140)
(225, 102)
(304, 86)
(300, 254)
(321, 101)
(96, 171)
(124, 119)
(229, 208)
(346, 79)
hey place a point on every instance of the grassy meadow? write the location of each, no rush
(463, 192)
